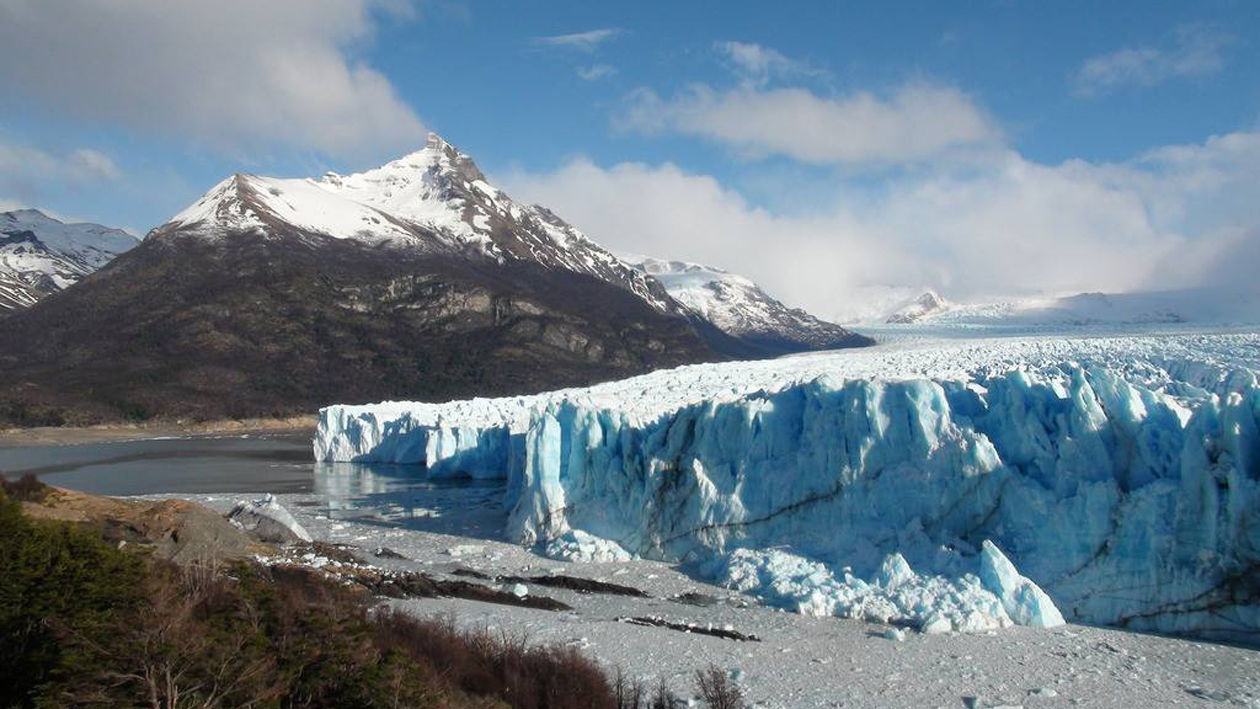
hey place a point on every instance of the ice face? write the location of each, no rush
(1115, 481)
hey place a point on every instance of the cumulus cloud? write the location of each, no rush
(596, 72)
(914, 122)
(236, 74)
(1195, 50)
(1175, 217)
(587, 41)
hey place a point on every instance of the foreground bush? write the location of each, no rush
(85, 624)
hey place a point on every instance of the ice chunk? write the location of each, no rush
(579, 546)
(268, 520)
(897, 594)
(1023, 600)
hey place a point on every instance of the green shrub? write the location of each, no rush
(83, 623)
(55, 580)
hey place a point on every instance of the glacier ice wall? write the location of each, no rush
(1129, 494)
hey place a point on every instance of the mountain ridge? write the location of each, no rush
(270, 297)
(40, 255)
(740, 309)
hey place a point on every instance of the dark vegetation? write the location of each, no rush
(573, 583)
(417, 585)
(85, 623)
(723, 633)
(27, 488)
(718, 690)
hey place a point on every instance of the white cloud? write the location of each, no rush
(587, 41)
(1176, 217)
(757, 64)
(236, 74)
(596, 72)
(915, 122)
(24, 165)
(92, 164)
(29, 175)
(1195, 50)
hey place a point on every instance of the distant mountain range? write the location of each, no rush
(416, 280)
(40, 255)
(742, 311)
(925, 306)
(1223, 306)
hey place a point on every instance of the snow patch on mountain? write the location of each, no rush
(250, 202)
(40, 255)
(738, 306)
(1097, 464)
(926, 305)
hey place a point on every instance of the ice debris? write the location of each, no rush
(895, 595)
(576, 545)
(268, 520)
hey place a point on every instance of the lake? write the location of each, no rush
(280, 463)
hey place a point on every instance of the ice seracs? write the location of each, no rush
(40, 255)
(1037, 476)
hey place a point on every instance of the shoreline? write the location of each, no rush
(118, 432)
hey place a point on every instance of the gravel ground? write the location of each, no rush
(798, 661)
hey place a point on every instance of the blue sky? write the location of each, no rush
(863, 145)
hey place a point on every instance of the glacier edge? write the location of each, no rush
(1123, 499)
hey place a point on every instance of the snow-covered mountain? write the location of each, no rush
(1184, 307)
(40, 255)
(928, 304)
(740, 308)
(417, 279)
(434, 200)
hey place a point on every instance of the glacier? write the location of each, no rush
(959, 485)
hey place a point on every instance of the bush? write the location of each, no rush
(56, 581)
(85, 623)
(717, 689)
(27, 488)
(525, 676)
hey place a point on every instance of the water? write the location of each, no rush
(389, 495)
(278, 463)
